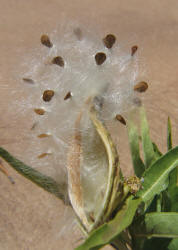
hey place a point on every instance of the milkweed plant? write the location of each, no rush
(78, 88)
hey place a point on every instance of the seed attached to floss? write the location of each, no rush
(68, 95)
(78, 33)
(47, 95)
(121, 119)
(100, 57)
(28, 80)
(43, 155)
(46, 41)
(109, 41)
(133, 50)
(58, 60)
(43, 135)
(141, 87)
(39, 111)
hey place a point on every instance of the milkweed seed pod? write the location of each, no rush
(74, 108)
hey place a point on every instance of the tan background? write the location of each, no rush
(29, 217)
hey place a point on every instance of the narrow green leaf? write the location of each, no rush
(108, 231)
(173, 178)
(169, 134)
(138, 164)
(158, 224)
(156, 150)
(38, 178)
(148, 151)
(155, 176)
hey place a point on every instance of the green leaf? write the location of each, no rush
(108, 231)
(169, 134)
(158, 224)
(156, 150)
(173, 178)
(38, 178)
(155, 176)
(173, 245)
(148, 151)
(138, 164)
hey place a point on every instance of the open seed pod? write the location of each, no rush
(93, 168)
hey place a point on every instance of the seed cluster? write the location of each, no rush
(101, 59)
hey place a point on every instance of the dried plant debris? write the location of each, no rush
(134, 49)
(48, 95)
(58, 60)
(78, 33)
(39, 111)
(68, 95)
(46, 41)
(141, 87)
(100, 58)
(121, 119)
(28, 80)
(109, 41)
(134, 184)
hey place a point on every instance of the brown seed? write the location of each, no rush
(141, 87)
(28, 80)
(39, 111)
(109, 41)
(46, 41)
(78, 33)
(121, 119)
(68, 95)
(43, 155)
(58, 60)
(134, 49)
(47, 95)
(43, 135)
(100, 57)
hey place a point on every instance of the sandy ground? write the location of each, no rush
(29, 217)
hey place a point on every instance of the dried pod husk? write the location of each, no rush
(48, 95)
(100, 58)
(58, 60)
(95, 148)
(46, 41)
(141, 87)
(109, 41)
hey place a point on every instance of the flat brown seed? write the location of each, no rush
(68, 95)
(39, 111)
(141, 87)
(134, 49)
(100, 57)
(43, 135)
(43, 155)
(28, 80)
(47, 95)
(109, 41)
(46, 41)
(58, 60)
(121, 119)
